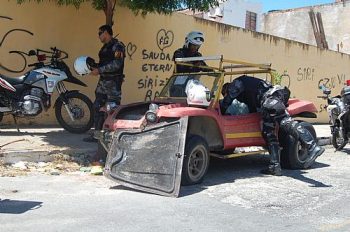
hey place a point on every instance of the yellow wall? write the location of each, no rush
(151, 41)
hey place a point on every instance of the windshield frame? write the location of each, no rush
(214, 89)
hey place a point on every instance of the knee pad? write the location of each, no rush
(269, 132)
(270, 138)
(289, 125)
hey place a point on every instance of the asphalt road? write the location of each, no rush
(233, 197)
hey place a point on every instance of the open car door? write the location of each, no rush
(149, 160)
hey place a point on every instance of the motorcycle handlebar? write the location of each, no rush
(38, 64)
(54, 51)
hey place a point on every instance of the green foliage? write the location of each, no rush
(276, 78)
(143, 6)
(75, 3)
(166, 7)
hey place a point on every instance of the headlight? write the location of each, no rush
(151, 116)
(153, 107)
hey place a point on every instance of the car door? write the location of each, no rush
(242, 130)
(149, 160)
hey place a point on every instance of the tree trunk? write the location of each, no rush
(109, 11)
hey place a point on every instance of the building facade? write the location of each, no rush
(239, 13)
(325, 26)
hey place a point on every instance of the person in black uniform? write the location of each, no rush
(110, 68)
(271, 101)
(193, 42)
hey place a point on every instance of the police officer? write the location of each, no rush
(193, 42)
(272, 102)
(110, 69)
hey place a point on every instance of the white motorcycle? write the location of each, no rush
(339, 115)
(30, 94)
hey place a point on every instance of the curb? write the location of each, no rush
(14, 156)
(324, 141)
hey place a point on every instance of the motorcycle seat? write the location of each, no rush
(13, 80)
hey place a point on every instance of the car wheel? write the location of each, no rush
(196, 161)
(294, 153)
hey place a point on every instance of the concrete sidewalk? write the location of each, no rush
(322, 130)
(40, 144)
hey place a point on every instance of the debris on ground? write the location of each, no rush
(62, 163)
(96, 170)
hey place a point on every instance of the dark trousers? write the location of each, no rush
(106, 91)
(274, 112)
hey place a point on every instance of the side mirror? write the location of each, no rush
(32, 53)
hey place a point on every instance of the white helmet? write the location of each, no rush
(194, 37)
(82, 65)
(197, 93)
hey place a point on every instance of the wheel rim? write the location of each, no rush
(339, 139)
(197, 163)
(80, 111)
(302, 152)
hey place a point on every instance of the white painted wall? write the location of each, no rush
(295, 25)
(234, 12)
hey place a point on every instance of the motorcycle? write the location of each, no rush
(30, 94)
(338, 109)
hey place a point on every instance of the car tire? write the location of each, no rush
(294, 153)
(196, 160)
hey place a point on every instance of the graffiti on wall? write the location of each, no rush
(155, 64)
(131, 49)
(308, 74)
(164, 39)
(305, 74)
(334, 82)
(285, 79)
(21, 54)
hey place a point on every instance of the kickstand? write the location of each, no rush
(14, 118)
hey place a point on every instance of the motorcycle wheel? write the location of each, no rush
(82, 109)
(338, 140)
(294, 153)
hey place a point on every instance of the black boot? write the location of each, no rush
(314, 152)
(274, 168)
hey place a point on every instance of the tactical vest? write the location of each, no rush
(183, 53)
(107, 55)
